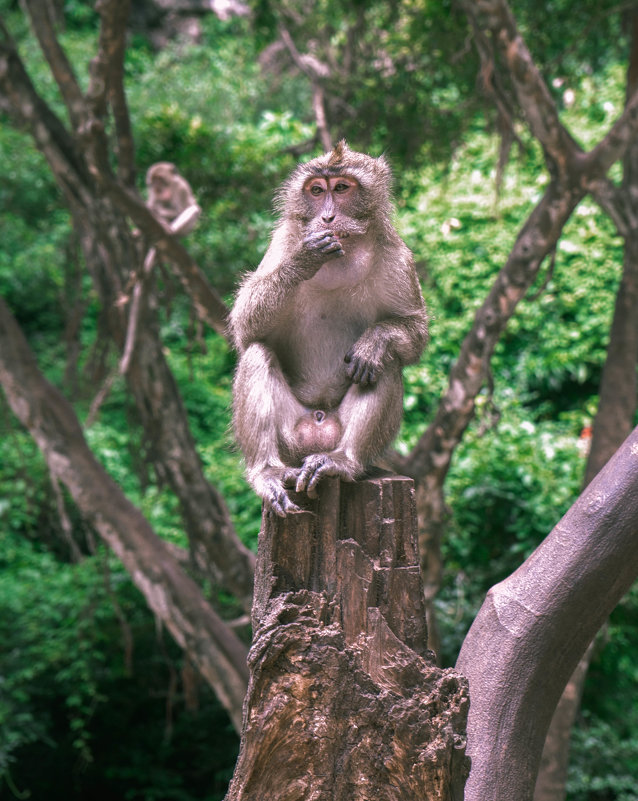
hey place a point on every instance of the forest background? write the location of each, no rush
(94, 691)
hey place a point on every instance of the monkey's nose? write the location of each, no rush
(327, 218)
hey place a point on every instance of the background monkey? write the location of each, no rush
(323, 328)
(171, 200)
(170, 196)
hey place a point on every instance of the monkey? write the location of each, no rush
(170, 196)
(323, 328)
(171, 200)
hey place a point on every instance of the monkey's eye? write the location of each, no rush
(316, 190)
(342, 187)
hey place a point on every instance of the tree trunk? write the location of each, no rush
(534, 627)
(344, 701)
(613, 423)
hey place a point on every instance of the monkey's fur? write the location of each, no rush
(323, 328)
(169, 194)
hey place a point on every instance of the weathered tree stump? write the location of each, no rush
(344, 701)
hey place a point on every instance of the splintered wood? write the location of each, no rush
(345, 702)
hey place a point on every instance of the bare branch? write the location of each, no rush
(495, 17)
(537, 239)
(44, 28)
(48, 131)
(115, 14)
(315, 70)
(209, 306)
(613, 146)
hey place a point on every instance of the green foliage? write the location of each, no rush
(68, 699)
(209, 109)
(94, 694)
(604, 762)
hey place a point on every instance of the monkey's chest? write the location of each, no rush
(312, 350)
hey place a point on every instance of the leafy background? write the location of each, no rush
(95, 699)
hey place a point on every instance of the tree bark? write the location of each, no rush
(534, 627)
(344, 702)
(173, 597)
(552, 775)
(613, 422)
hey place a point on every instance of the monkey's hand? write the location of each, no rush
(365, 361)
(318, 247)
(315, 467)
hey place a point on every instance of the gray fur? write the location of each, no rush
(325, 323)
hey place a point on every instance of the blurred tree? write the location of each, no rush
(79, 157)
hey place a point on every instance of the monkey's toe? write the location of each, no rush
(315, 467)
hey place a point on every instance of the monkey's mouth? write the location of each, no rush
(342, 234)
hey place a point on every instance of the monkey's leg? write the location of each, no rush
(264, 414)
(371, 417)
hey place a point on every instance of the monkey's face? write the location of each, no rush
(335, 203)
(162, 190)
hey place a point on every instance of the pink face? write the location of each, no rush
(327, 196)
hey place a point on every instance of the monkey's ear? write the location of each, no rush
(384, 170)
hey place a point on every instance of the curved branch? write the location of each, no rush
(61, 69)
(432, 454)
(48, 131)
(531, 90)
(534, 627)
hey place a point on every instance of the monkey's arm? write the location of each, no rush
(260, 305)
(265, 296)
(401, 336)
(185, 221)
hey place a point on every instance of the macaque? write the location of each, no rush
(323, 328)
(171, 199)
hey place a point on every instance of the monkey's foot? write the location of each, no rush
(315, 467)
(276, 498)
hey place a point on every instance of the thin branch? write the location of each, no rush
(615, 143)
(209, 306)
(44, 28)
(183, 221)
(48, 131)
(115, 14)
(314, 70)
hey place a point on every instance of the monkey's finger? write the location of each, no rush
(302, 479)
(313, 240)
(369, 376)
(276, 508)
(355, 370)
(311, 463)
(331, 247)
(290, 477)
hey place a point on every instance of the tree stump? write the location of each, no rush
(344, 701)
